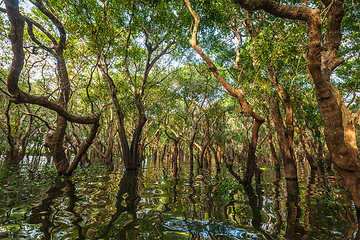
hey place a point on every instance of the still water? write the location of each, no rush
(157, 202)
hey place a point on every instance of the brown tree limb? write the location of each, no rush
(18, 96)
(83, 148)
(238, 93)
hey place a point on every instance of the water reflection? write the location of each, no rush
(127, 200)
(206, 229)
(173, 203)
(294, 230)
(46, 213)
(256, 205)
(277, 213)
(77, 218)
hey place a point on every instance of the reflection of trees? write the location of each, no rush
(127, 200)
(294, 230)
(70, 193)
(43, 213)
(46, 213)
(193, 192)
(256, 204)
(174, 192)
(277, 203)
(325, 211)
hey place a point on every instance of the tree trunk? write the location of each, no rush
(217, 162)
(130, 155)
(251, 159)
(237, 93)
(272, 148)
(284, 140)
(322, 61)
(16, 35)
(306, 148)
(55, 142)
(294, 230)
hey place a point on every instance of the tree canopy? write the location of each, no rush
(104, 81)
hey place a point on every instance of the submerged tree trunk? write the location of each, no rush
(322, 55)
(285, 139)
(17, 145)
(294, 230)
(237, 93)
(16, 35)
(251, 159)
(306, 147)
(55, 143)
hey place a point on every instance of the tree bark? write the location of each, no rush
(16, 35)
(251, 159)
(272, 148)
(306, 147)
(284, 140)
(237, 93)
(322, 61)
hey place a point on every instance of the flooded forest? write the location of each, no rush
(188, 119)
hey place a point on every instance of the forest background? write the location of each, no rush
(119, 82)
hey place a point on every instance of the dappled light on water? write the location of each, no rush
(157, 202)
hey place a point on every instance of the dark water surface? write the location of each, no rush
(160, 203)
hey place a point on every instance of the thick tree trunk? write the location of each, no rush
(322, 61)
(251, 159)
(306, 147)
(16, 35)
(284, 140)
(342, 157)
(55, 142)
(294, 230)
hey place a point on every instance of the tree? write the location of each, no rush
(323, 60)
(237, 93)
(55, 140)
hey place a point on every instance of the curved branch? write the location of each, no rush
(53, 18)
(53, 105)
(16, 36)
(238, 93)
(38, 117)
(301, 12)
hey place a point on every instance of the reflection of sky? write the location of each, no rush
(206, 229)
